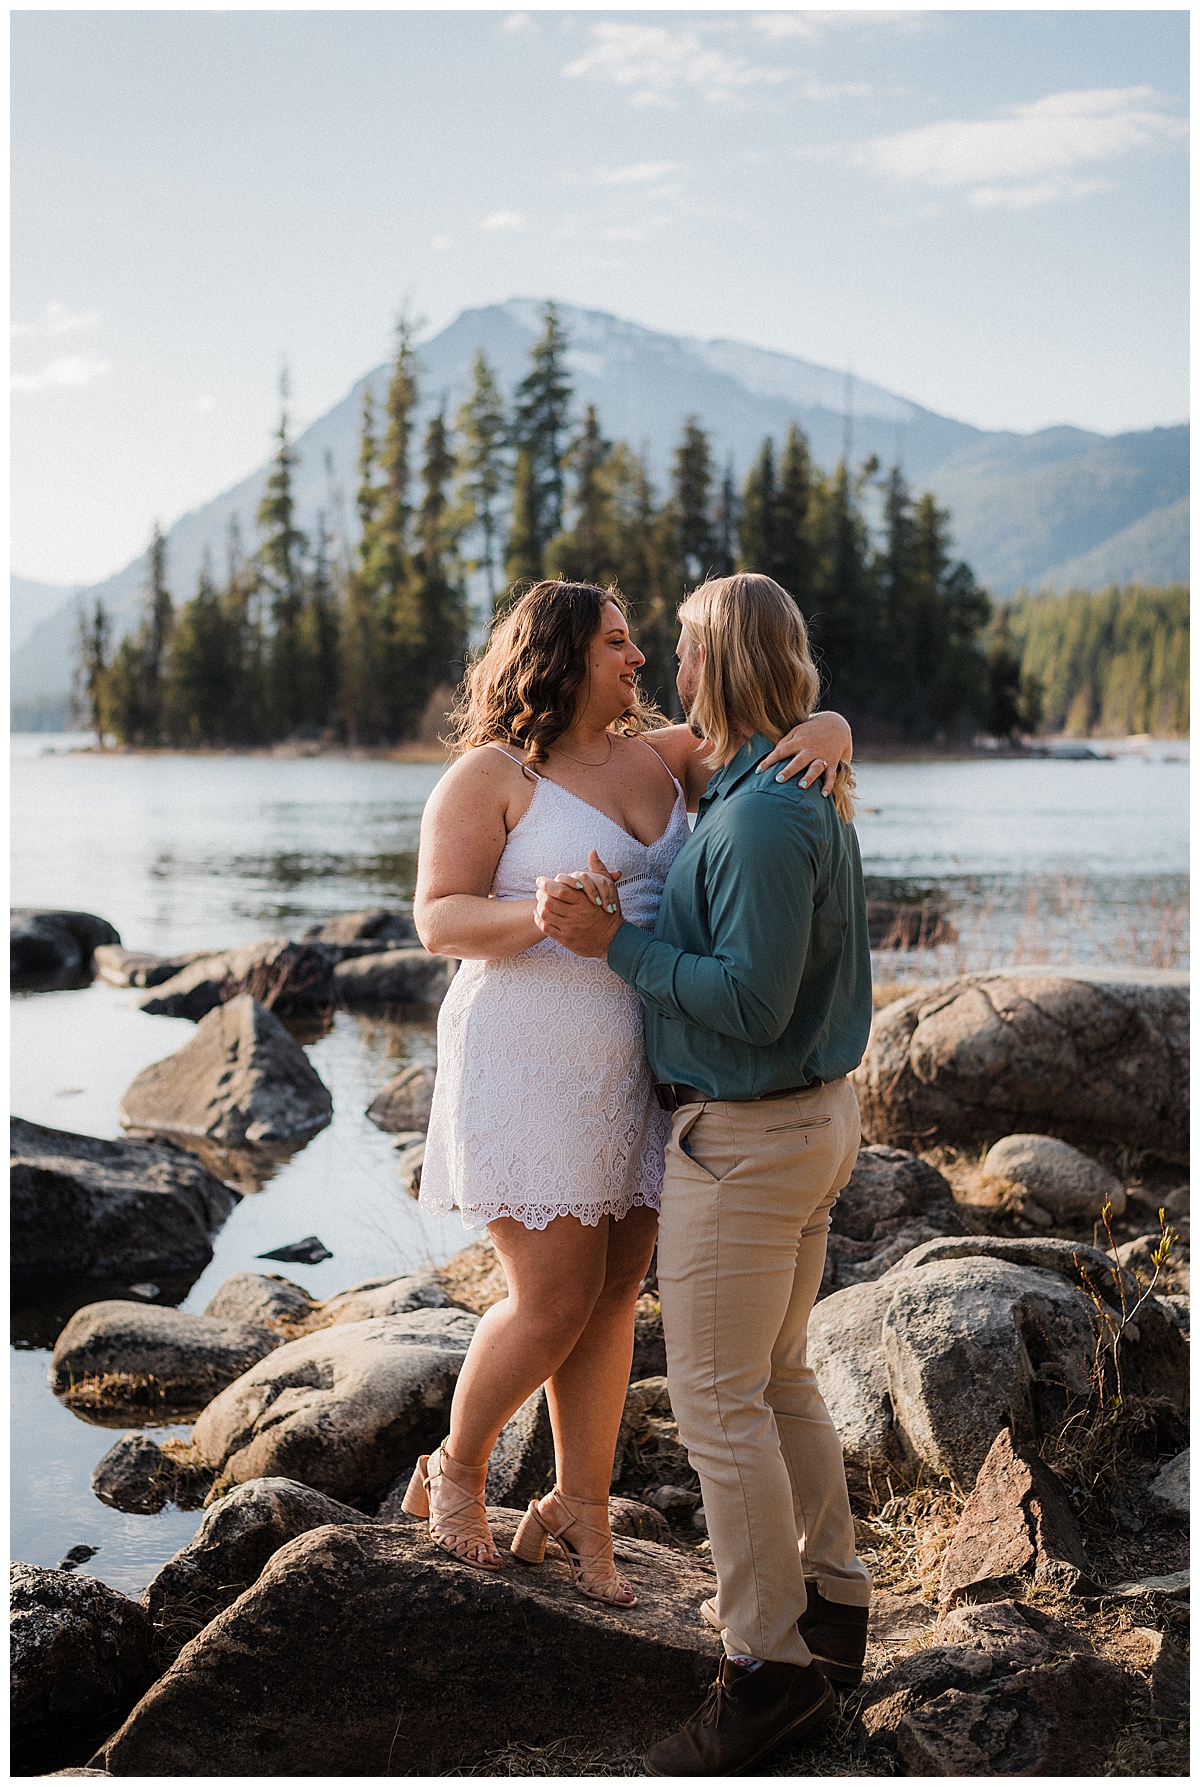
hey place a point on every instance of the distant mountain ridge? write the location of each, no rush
(1026, 509)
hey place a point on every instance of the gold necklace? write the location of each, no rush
(582, 761)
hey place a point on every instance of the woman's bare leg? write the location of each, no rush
(586, 1392)
(555, 1276)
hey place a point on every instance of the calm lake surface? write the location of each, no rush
(1034, 860)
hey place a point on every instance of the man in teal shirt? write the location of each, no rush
(756, 989)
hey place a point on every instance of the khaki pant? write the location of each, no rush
(741, 1249)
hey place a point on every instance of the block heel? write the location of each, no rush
(529, 1540)
(416, 1496)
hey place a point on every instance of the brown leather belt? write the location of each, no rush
(672, 1096)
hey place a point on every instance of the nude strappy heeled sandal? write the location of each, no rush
(457, 1519)
(593, 1571)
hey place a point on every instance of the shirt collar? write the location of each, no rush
(727, 778)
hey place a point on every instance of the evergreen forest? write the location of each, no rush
(309, 637)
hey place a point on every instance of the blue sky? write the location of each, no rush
(985, 211)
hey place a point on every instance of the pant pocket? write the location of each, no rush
(798, 1123)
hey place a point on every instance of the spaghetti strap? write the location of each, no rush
(489, 746)
(677, 786)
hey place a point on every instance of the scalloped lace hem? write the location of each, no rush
(538, 1216)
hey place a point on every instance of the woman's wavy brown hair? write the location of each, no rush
(524, 688)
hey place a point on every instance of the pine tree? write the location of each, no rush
(360, 697)
(159, 622)
(644, 557)
(956, 611)
(482, 466)
(280, 559)
(793, 565)
(198, 704)
(241, 610)
(725, 526)
(319, 640)
(523, 552)
(401, 643)
(757, 543)
(540, 423)
(587, 553)
(137, 677)
(844, 614)
(690, 505)
(906, 648)
(91, 668)
(439, 595)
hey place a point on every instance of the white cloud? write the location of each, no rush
(440, 242)
(56, 319)
(69, 372)
(655, 65)
(204, 404)
(638, 173)
(1036, 192)
(503, 220)
(1021, 158)
(778, 27)
(517, 22)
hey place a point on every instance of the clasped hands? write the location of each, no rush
(582, 911)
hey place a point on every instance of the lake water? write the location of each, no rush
(1036, 861)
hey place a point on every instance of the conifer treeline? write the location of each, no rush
(301, 636)
(1109, 662)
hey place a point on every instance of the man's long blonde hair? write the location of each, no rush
(757, 672)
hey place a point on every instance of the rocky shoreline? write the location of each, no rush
(1001, 1337)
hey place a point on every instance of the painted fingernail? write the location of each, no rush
(599, 901)
(610, 908)
(779, 777)
(579, 885)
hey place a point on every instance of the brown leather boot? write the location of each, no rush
(836, 1635)
(748, 1712)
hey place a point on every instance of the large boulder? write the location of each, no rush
(122, 1354)
(139, 967)
(1059, 1179)
(969, 1334)
(975, 1344)
(405, 1101)
(241, 1078)
(1155, 1360)
(79, 1659)
(892, 1202)
(342, 1410)
(125, 1210)
(365, 933)
(845, 1350)
(51, 949)
(1009, 1691)
(367, 1651)
(263, 1300)
(393, 977)
(236, 1538)
(138, 1477)
(384, 1296)
(278, 974)
(1091, 1056)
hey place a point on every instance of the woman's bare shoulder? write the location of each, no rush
(481, 786)
(676, 745)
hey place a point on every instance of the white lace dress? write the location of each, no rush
(544, 1105)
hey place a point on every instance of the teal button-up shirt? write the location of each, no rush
(758, 974)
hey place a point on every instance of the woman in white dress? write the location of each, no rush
(544, 1127)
